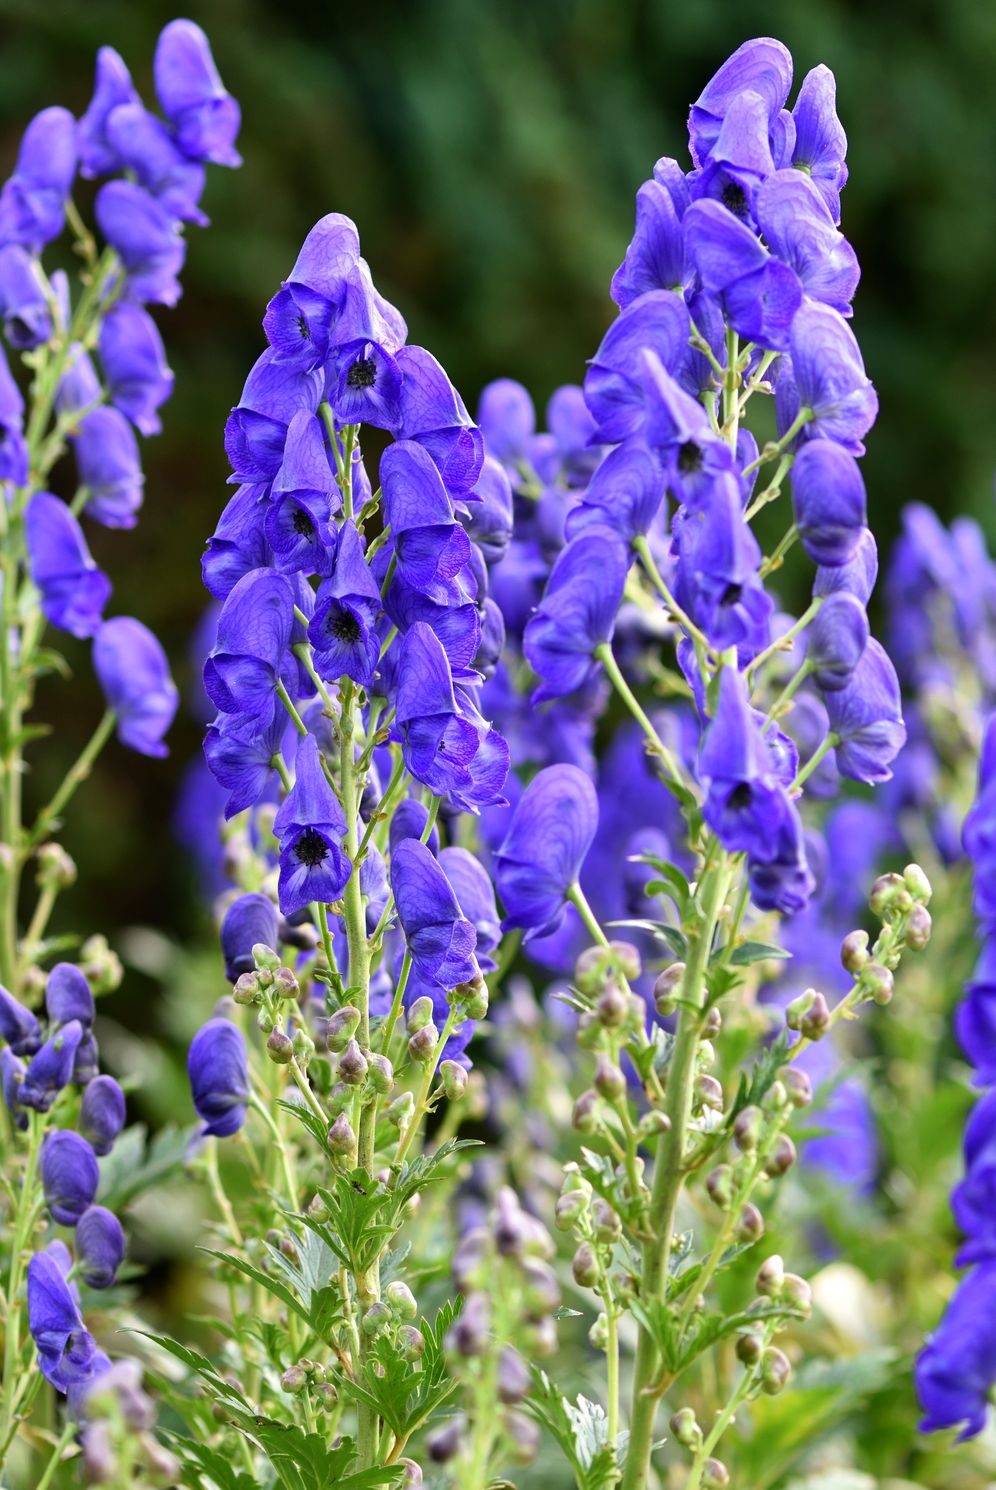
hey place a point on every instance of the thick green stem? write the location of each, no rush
(669, 1170)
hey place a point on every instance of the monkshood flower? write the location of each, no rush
(69, 1175)
(33, 201)
(797, 227)
(409, 821)
(577, 613)
(146, 239)
(68, 996)
(430, 545)
(956, 1370)
(342, 631)
(203, 115)
(147, 151)
(552, 829)
(113, 87)
(299, 317)
(614, 386)
(828, 498)
(975, 1017)
(24, 306)
(626, 493)
(134, 674)
(256, 431)
(102, 1113)
(13, 447)
(66, 1350)
(759, 294)
(827, 377)
(133, 359)
(745, 804)
(249, 921)
(432, 413)
(109, 468)
(762, 67)
(783, 881)
(857, 575)
(73, 590)
(835, 641)
(100, 1246)
(473, 889)
(363, 378)
(866, 716)
(11, 1075)
(219, 1077)
(820, 142)
(491, 517)
(657, 257)
(18, 1026)
(310, 827)
(438, 936)
(972, 1201)
(240, 756)
(51, 1068)
(717, 580)
(507, 420)
(254, 632)
(304, 499)
(238, 543)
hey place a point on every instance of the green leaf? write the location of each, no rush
(581, 1430)
(752, 1091)
(134, 1166)
(197, 1363)
(749, 952)
(272, 1285)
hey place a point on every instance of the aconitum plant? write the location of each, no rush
(546, 913)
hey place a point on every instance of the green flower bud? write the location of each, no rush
(402, 1110)
(293, 1380)
(878, 983)
(326, 1395)
(627, 959)
(770, 1277)
(280, 1047)
(750, 1224)
(686, 1430)
(719, 1186)
(747, 1128)
(854, 952)
(376, 1319)
(585, 1115)
(598, 1335)
(353, 1065)
(798, 1086)
(304, 1046)
(775, 1371)
(715, 1475)
(342, 1026)
(918, 928)
(667, 987)
(411, 1342)
(589, 970)
(889, 897)
(608, 1227)
(265, 958)
(285, 984)
(749, 1349)
(422, 1045)
(585, 1266)
(400, 1300)
(341, 1142)
(653, 1124)
(413, 1475)
(265, 1021)
(454, 1079)
(56, 869)
(712, 1024)
(475, 999)
(917, 883)
(247, 990)
(420, 1014)
(380, 1073)
(776, 1097)
(797, 1292)
(589, 1031)
(612, 1009)
(709, 1093)
(609, 1082)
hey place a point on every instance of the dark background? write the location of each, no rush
(490, 153)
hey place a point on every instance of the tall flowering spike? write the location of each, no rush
(828, 496)
(73, 590)
(249, 921)
(66, 1350)
(102, 1113)
(552, 829)
(310, 826)
(866, 714)
(577, 612)
(219, 1077)
(439, 937)
(254, 632)
(69, 1175)
(134, 674)
(100, 1247)
(204, 116)
(68, 996)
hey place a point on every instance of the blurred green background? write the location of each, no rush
(490, 153)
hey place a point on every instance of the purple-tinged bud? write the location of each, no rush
(719, 1186)
(102, 1113)
(569, 1209)
(401, 1110)
(750, 1224)
(598, 1335)
(770, 1277)
(265, 959)
(797, 1292)
(715, 1475)
(608, 1227)
(612, 1009)
(419, 1014)
(798, 1086)
(877, 983)
(161, 1467)
(509, 1227)
(585, 1115)
(285, 984)
(854, 952)
(539, 1337)
(586, 1267)
(376, 1319)
(453, 1077)
(809, 1015)
(293, 1380)
(609, 1082)
(747, 1128)
(326, 1395)
(380, 1073)
(667, 987)
(749, 1349)
(684, 1426)
(353, 1065)
(474, 998)
(627, 959)
(470, 1332)
(471, 1265)
(341, 1142)
(100, 1246)
(280, 1047)
(446, 1442)
(423, 1045)
(342, 1026)
(56, 868)
(918, 928)
(400, 1300)
(889, 897)
(524, 1436)
(249, 921)
(775, 1371)
(413, 1475)
(781, 1158)
(712, 1024)
(513, 1379)
(247, 990)
(589, 970)
(709, 1093)
(917, 883)
(653, 1124)
(69, 1175)
(411, 1342)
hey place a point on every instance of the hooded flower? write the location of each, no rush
(69, 1175)
(254, 633)
(552, 829)
(33, 201)
(24, 306)
(18, 1026)
(68, 996)
(820, 142)
(51, 1068)
(102, 1113)
(109, 467)
(249, 921)
(866, 715)
(67, 1353)
(835, 641)
(100, 1247)
(577, 613)
(745, 804)
(656, 258)
(613, 386)
(473, 889)
(112, 88)
(828, 497)
(430, 544)
(342, 629)
(440, 939)
(73, 590)
(759, 293)
(134, 674)
(432, 413)
(147, 241)
(956, 1370)
(310, 826)
(219, 1077)
(828, 378)
(204, 116)
(134, 362)
(304, 497)
(240, 756)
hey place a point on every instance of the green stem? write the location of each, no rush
(778, 447)
(53, 1463)
(807, 770)
(642, 548)
(604, 654)
(784, 642)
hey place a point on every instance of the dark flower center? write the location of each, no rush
(311, 848)
(741, 796)
(303, 524)
(731, 594)
(344, 626)
(735, 198)
(362, 374)
(689, 458)
(304, 328)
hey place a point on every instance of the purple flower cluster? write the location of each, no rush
(39, 1062)
(956, 1370)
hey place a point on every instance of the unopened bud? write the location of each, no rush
(402, 1110)
(400, 1299)
(598, 1334)
(422, 1045)
(798, 1086)
(376, 1319)
(775, 1370)
(776, 1097)
(889, 897)
(747, 1128)
(684, 1426)
(280, 1047)
(380, 1072)
(627, 960)
(585, 1266)
(411, 1342)
(56, 868)
(917, 883)
(749, 1349)
(475, 1000)
(454, 1079)
(750, 1224)
(470, 1331)
(524, 1435)
(413, 1475)
(352, 1065)
(509, 1226)
(513, 1376)
(712, 1024)
(342, 1026)
(247, 990)
(609, 1082)
(715, 1475)
(265, 958)
(585, 1115)
(326, 1394)
(341, 1141)
(265, 1021)
(878, 983)
(719, 1186)
(797, 1292)
(612, 1009)
(419, 1014)
(709, 1093)
(294, 1379)
(608, 1226)
(445, 1443)
(589, 970)
(667, 987)
(285, 984)
(918, 927)
(540, 1289)
(781, 1158)
(770, 1277)
(653, 1124)
(854, 952)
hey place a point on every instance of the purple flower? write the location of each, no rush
(866, 715)
(33, 201)
(238, 543)
(146, 238)
(432, 413)
(857, 575)
(972, 1201)
(299, 317)
(146, 149)
(975, 1017)
(760, 294)
(204, 116)
(11, 1076)
(73, 590)
(717, 579)
(552, 829)
(51, 1068)
(254, 633)
(828, 496)
(430, 545)
(102, 1113)
(491, 517)
(363, 377)
(799, 230)
(68, 996)
(956, 1370)
(69, 1175)
(656, 258)
(132, 670)
(835, 641)
(66, 1350)
(24, 307)
(100, 1247)
(828, 377)
(298, 524)
(440, 939)
(782, 881)
(408, 821)
(13, 446)
(820, 141)
(342, 630)
(240, 756)
(310, 826)
(613, 386)
(219, 1077)
(507, 420)
(134, 362)
(577, 612)
(745, 804)
(18, 1026)
(473, 889)
(113, 86)
(110, 468)
(256, 432)
(250, 920)
(761, 66)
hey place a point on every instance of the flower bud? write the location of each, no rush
(588, 1031)
(524, 1435)
(889, 897)
(627, 960)
(539, 1337)
(770, 1277)
(686, 1430)
(56, 869)
(247, 990)
(413, 1475)
(420, 1014)
(878, 983)
(411, 1342)
(918, 927)
(712, 1024)
(341, 1142)
(750, 1224)
(798, 1086)
(917, 883)
(304, 1046)
(326, 1394)
(161, 1466)
(709, 1093)
(445, 1443)
(513, 1376)
(100, 966)
(280, 1047)
(585, 1266)
(781, 1158)
(667, 987)
(352, 1065)
(509, 1227)
(423, 1044)
(294, 1379)
(470, 1332)
(380, 1072)
(265, 1021)
(776, 1097)
(400, 1300)
(471, 1265)
(585, 1115)
(342, 1026)
(589, 970)
(476, 1000)
(454, 1079)
(609, 1082)
(749, 1349)
(402, 1110)
(705, 1054)
(608, 1227)
(719, 1186)
(265, 958)
(775, 1370)
(285, 984)
(854, 951)
(612, 1009)
(653, 1124)
(715, 1475)
(797, 1292)
(747, 1128)
(540, 1289)
(376, 1319)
